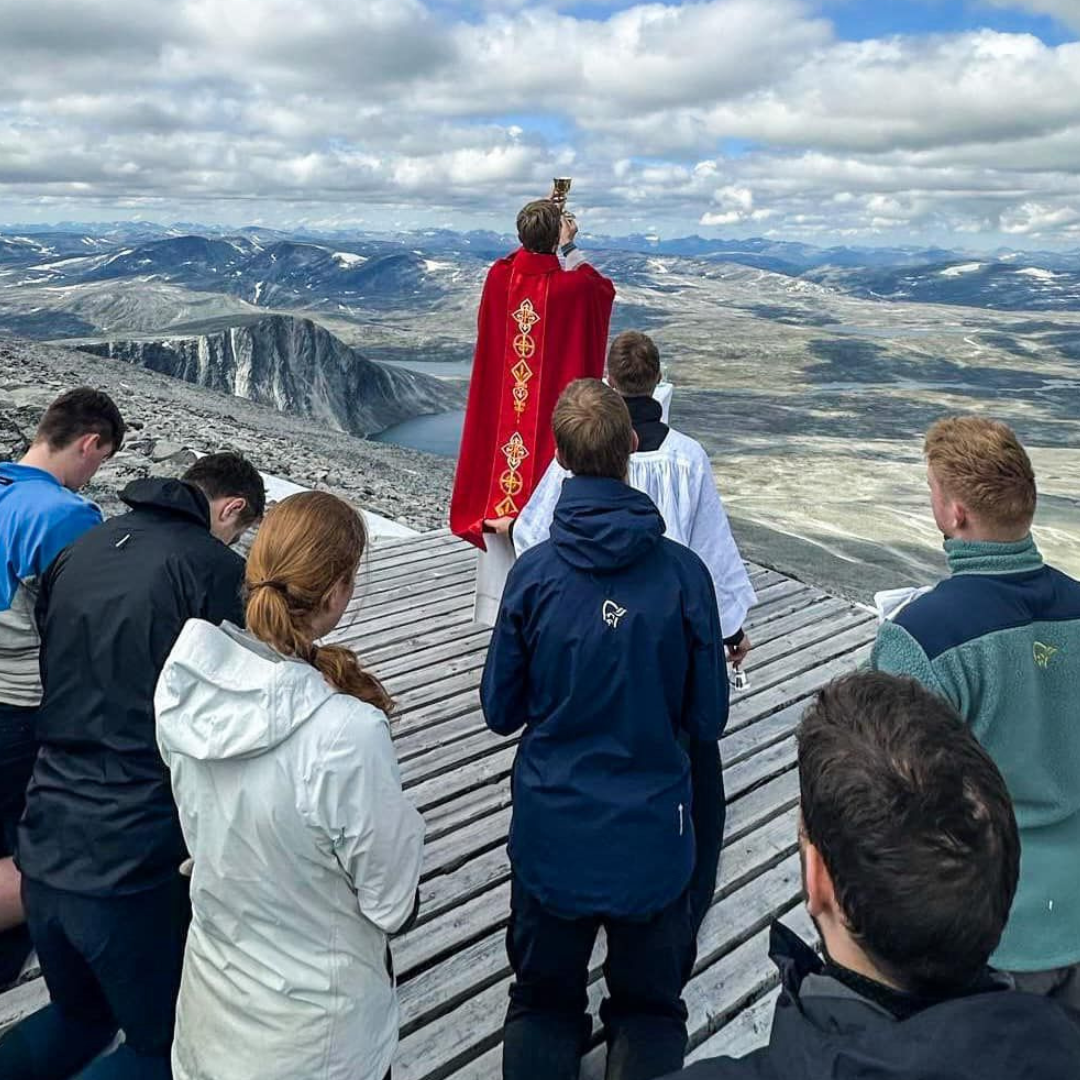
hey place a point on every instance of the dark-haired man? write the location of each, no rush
(41, 513)
(607, 651)
(539, 328)
(100, 845)
(911, 855)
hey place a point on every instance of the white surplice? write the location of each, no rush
(678, 478)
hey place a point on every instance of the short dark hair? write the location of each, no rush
(229, 474)
(593, 432)
(633, 364)
(538, 226)
(79, 412)
(915, 826)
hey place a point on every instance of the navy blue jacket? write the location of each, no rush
(607, 648)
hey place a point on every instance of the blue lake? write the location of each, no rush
(436, 434)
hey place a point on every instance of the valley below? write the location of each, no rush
(810, 390)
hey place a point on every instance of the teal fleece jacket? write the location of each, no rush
(1000, 639)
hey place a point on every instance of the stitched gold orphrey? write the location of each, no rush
(515, 450)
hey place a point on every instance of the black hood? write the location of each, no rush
(170, 497)
(603, 525)
(989, 1033)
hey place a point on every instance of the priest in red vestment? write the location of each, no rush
(540, 327)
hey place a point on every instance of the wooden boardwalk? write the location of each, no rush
(411, 621)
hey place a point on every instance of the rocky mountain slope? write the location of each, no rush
(169, 419)
(293, 365)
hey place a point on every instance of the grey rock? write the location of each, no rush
(296, 366)
(401, 484)
(163, 450)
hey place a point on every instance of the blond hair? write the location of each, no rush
(592, 428)
(982, 464)
(307, 545)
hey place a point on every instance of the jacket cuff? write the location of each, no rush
(733, 641)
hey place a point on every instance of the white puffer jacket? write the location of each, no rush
(306, 855)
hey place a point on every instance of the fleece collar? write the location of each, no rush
(986, 557)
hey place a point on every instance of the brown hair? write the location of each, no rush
(306, 546)
(914, 823)
(633, 364)
(592, 428)
(79, 412)
(981, 463)
(538, 226)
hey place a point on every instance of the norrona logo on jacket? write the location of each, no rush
(608, 647)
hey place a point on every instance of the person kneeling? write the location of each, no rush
(607, 648)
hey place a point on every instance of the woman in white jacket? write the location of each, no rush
(306, 854)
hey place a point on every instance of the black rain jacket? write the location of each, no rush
(100, 818)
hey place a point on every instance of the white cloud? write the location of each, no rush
(1066, 11)
(279, 109)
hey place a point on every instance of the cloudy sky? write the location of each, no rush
(859, 121)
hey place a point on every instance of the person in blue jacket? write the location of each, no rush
(608, 652)
(41, 513)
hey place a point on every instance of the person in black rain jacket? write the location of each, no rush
(911, 857)
(607, 650)
(100, 845)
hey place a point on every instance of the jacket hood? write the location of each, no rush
(604, 525)
(224, 694)
(991, 1033)
(170, 496)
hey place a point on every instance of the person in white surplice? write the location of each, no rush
(675, 472)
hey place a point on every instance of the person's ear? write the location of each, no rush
(959, 513)
(88, 444)
(635, 442)
(233, 510)
(820, 893)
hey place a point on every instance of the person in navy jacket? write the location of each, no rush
(608, 652)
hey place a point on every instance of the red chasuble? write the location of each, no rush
(540, 327)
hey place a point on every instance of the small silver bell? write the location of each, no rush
(740, 682)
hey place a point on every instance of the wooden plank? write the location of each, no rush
(747, 1031)
(762, 824)
(367, 604)
(19, 1003)
(403, 613)
(473, 1025)
(408, 601)
(369, 581)
(420, 759)
(400, 628)
(417, 644)
(454, 699)
(418, 665)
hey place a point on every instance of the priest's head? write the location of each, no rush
(593, 432)
(633, 364)
(538, 226)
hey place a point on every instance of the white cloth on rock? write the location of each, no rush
(678, 478)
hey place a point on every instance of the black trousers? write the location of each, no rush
(547, 1024)
(17, 752)
(110, 963)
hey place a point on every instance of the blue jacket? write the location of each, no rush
(39, 517)
(607, 648)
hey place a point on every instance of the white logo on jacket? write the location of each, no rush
(612, 613)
